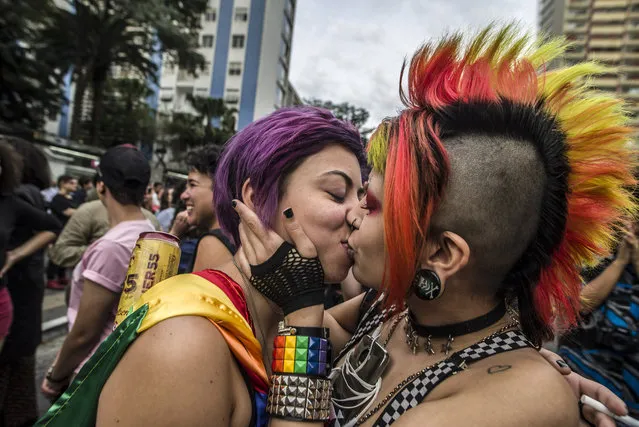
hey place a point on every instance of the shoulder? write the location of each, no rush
(515, 388)
(524, 380)
(182, 353)
(212, 241)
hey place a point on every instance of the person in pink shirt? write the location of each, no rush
(123, 176)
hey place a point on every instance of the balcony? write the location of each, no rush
(605, 43)
(579, 4)
(611, 30)
(631, 55)
(599, 4)
(609, 17)
(630, 69)
(575, 56)
(630, 82)
(605, 56)
(606, 83)
(572, 28)
(574, 17)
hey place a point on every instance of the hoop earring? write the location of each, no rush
(427, 285)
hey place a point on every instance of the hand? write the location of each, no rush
(53, 390)
(290, 276)
(628, 246)
(180, 225)
(581, 385)
(11, 259)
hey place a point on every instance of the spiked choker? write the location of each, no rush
(415, 331)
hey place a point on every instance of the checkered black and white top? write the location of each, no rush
(416, 391)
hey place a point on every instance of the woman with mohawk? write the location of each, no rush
(489, 192)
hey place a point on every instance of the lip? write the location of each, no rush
(349, 251)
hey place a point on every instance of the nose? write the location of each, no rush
(354, 217)
(185, 195)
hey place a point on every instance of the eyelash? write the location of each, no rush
(337, 198)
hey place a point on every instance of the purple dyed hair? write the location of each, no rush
(267, 151)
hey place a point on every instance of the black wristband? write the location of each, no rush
(306, 331)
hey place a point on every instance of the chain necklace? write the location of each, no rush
(247, 283)
(513, 324)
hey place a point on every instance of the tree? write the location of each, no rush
(128, 119)
(213, 123)
(92, 36)
(30, 84)
(358, 116)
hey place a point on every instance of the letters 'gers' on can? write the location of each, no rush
(156, 257)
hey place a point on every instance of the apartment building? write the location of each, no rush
(601, 30)
(247, 44)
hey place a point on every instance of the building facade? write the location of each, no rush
(247, 44)
(603, 30)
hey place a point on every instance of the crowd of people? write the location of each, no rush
(493, 219)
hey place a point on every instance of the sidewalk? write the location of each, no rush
(54, 310)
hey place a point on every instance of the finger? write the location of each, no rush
(300, 240)
(247, 245)
(248, 217)
(604, 395)
(556, 361)
(597, 418)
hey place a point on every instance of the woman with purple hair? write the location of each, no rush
(217, 353)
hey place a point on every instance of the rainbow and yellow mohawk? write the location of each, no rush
(580, 134)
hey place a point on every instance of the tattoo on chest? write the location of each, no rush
(498, 368)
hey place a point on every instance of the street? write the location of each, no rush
(44, 358)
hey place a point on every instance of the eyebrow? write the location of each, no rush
(347, 178)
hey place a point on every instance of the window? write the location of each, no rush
(232, 96)
(238, 41)
(241, 14)
(210, 15)
(235, 68)
(207, 40)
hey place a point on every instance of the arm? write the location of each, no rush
(96, 307)
(342, 321)
(68, 212)
(31, 216)
(29, 247)
(178, 373)
(211, 253)
(74, 239)
(595, 292)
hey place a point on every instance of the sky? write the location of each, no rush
(352, 50)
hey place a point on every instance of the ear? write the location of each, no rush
(247, 194)
(446, 254)
(100, 188)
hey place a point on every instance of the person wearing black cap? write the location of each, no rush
(123, 175)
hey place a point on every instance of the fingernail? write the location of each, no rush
(562, 364)
(234, 203)
(288, 213)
